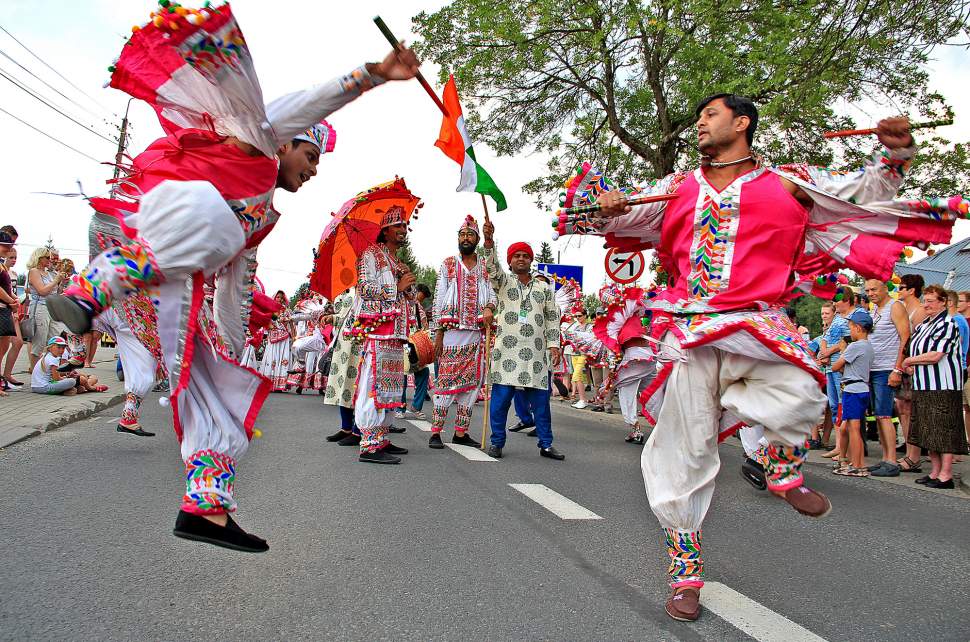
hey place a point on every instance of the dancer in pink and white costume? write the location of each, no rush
(199, 202)
(463, 306)
(735, 241)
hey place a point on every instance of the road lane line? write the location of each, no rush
(420, 424)
(555, 503)
(469, 452)
(753, 618)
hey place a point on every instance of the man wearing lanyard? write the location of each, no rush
(526, 342)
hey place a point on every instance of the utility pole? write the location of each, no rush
(122, 139)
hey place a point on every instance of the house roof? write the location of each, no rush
(935, 269)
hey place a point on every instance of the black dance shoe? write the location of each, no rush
(199, 529)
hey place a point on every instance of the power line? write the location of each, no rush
(50, 86)
(56, 140)
(61, 76)
(27, 90)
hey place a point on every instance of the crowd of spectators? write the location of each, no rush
(56, 355)
(886, 359)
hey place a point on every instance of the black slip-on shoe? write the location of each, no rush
(396, 430)
(337, 436)
(141, 432)
(69, 312)
(552, 453)
(754, 473)
(494, 452)
(379, 457)
(350, 440)
(391, 449)
(199, 529)
(435, 442)
(465, 440)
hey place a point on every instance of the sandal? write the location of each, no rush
(831, 454)
(99, 389)
(852, 472)
(907, 465)
(842, 465)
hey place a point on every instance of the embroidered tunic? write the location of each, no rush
(528, 325)
(378, 297)
(461, 295)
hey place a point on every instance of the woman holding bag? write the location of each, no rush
(40, 283)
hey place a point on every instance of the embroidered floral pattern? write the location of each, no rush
(684, 548)
(438, 416)
(784, 466)
(459, 369)
(130, 414)
(463, 418)
(209, 480)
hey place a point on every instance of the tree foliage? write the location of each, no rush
(616, 81)
(545, 253)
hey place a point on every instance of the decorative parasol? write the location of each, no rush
(351, 230)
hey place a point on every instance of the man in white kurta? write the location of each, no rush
(383, 320)
(463, 305)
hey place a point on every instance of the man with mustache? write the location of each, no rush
(383, 321)
(735, 241)
(464, 303)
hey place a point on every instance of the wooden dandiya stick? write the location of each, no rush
(595, 207)
(488, 366)
(872, 130)
(397, 47)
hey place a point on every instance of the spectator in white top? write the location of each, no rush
(46, 379)
(935, 363)
(890, 333)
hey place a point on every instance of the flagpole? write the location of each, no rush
(397, 47)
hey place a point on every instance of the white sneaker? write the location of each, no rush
(579, 405)
(399, 414)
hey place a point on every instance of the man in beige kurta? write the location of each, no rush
(526, 342)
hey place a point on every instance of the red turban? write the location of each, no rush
(521, 246)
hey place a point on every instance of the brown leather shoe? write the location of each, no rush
(807, 501)
(684, 604)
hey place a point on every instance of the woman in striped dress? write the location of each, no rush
(934, 362)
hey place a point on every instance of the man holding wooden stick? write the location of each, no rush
(526, 343)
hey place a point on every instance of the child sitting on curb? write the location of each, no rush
(50, 377)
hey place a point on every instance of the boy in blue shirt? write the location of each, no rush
(855, 364)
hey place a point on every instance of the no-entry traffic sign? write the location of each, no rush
(624, 267)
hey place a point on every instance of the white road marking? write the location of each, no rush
(420, 424)
(555, 503)
(756, 620)
(468, 452)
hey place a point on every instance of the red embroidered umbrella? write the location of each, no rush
(351, 230)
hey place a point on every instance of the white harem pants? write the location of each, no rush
(680, 459)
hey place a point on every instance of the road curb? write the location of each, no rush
(17, 434)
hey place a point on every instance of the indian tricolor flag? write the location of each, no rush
(455, 143)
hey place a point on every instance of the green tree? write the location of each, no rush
(615, 81)
(545, 253)
(807, 313)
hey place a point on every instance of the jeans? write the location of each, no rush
(522, 409)
(420, 389)
(55, 387)
(882, 394)
(499, 411)
(347, 420)
(833, 388)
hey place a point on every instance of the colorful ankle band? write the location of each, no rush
(684, 548)
(784, 466)
(209, 481)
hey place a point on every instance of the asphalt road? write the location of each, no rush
(442, 548)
